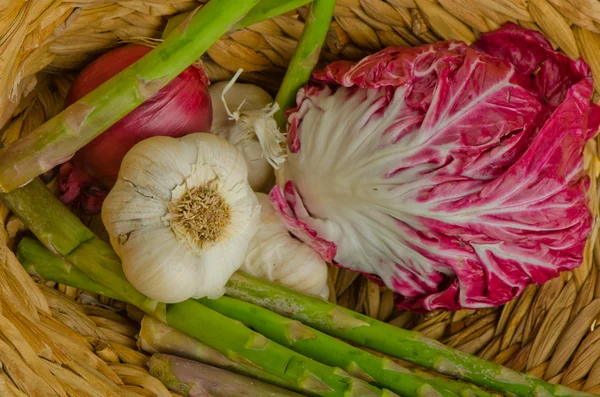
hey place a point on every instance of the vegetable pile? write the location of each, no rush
(452, 174)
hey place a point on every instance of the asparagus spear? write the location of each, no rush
(392, 341)
(193, 379)
(59, 229)
(63, 233)
(157, 337)
(329, 350)
(59, 138)
(242, 344)
(38, 261)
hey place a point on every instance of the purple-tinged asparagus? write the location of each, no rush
(157, 337)
(193, 379)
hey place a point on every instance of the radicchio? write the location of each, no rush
(453, 174)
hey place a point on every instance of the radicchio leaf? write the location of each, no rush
(453, 173)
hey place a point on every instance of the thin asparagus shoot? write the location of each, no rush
(265, 9)
(305, 57)
(40, 262)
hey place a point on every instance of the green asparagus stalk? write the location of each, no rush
(390, 340)
(157, 337)
(265, 9)
(326, 349)
(59, 138)
(191, 378)
(60, 230)
(38, 261)
(305, 57)
(241, 344)
(63, 233)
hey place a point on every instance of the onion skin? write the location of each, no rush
(180, 108)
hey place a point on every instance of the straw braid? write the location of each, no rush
(548, 331)
(52, 346)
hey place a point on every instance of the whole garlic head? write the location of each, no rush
(181, 216)
(275, 255)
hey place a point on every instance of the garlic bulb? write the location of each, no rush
(276, 256)
(181, 216)
(250, 128)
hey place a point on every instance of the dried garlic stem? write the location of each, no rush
(200, 215)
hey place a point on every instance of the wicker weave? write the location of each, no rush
(548, 331)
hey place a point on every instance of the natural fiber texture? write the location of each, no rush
(549, 331)
(64, 344)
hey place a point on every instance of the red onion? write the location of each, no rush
(182, 107)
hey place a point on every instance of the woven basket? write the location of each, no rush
(56, 340)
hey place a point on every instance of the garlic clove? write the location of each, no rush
(157, 266)
(243, 114)
(227, 162)
(219, 262)
(260, 173)
(275, 255)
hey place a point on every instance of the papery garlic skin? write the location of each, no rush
(260, 173)
(165, 254)
(252, 104)
(276, 256)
